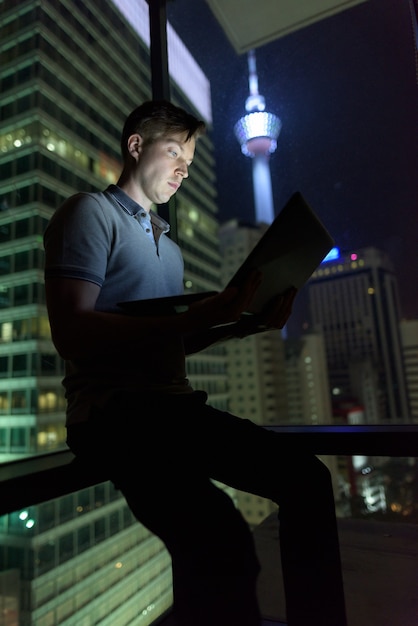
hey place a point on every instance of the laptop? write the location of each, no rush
(287, 254)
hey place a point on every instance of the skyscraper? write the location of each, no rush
(409, 337)
(354, 302)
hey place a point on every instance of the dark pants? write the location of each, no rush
(162, 454)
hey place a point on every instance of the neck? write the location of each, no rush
(126, 183)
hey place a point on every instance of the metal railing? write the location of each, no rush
(44, 477)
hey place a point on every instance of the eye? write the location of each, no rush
(174, 153)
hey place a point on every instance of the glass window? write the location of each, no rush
(4, 265)
(17, 438)
(83, 539)
(66, 547)
(16, 556)
(4, 228)
(22, 295)
(114, 523)
(4, 371)
(20, 364)
(47, 516)
(19, 400)
(66, 508)
(4, 440)
(22, 228)
(46, 557)
(99, 530)
(22, 261)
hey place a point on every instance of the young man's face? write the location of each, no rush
(162, 166)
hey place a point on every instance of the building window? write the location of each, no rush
(19, 400)
(4, 364)
(18, 439)
(19, 364)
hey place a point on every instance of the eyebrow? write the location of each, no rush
(179, 144)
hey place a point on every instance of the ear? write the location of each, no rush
(135, 145)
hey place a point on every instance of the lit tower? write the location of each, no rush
(257, 133)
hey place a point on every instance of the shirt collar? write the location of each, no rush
(132, 208)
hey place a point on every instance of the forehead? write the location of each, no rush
(187, 146)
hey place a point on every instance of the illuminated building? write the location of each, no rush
(409, 336)
(354, 302)
(257, 133)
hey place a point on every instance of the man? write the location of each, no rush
(132, 411)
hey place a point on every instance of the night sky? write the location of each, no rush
(346, 92)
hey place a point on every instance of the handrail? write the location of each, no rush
(40, 478)
(43, 477)
(350, 440)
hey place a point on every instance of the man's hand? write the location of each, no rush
(229, 306)
(211, 320)
(278, 310)
(274, 315)
(224, 307)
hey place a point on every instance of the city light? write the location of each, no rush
(257, 133)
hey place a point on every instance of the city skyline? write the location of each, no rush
(76, 554)
(346, 92)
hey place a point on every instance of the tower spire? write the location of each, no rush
(257, 133)
(254, 102)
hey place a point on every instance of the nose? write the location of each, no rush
(183, 168)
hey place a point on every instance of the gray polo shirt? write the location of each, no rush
(108, 239)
